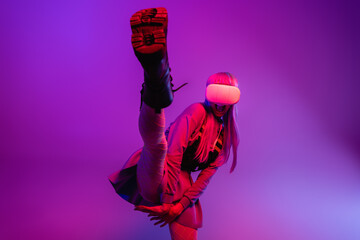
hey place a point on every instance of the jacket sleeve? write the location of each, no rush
(203, 179)
(178, 138)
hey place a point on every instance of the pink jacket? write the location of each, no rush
(178, 184)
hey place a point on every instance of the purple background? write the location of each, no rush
(69, 99)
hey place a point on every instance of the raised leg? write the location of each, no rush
(150, 168)
(149, 29)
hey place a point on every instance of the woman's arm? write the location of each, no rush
(202, 181)
(178, 138)
(166, 213)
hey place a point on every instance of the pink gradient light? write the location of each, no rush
(69, 101)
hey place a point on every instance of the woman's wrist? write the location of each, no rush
(167, 206)
(179, 207)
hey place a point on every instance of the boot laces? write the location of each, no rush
(172, 85)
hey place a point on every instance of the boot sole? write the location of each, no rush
(149, 28)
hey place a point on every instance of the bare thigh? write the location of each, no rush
(181, 232)
(150, 168)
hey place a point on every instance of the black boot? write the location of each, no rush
(149, 30)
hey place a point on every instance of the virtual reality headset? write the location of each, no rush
(222, 94)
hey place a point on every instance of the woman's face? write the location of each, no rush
(218, 109)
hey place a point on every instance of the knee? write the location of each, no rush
(155, 141)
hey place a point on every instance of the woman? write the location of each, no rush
(157, 178)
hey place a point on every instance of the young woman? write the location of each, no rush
(157, 178)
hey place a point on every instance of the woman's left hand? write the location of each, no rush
(156, 210)
(162, 217)
(173, 213)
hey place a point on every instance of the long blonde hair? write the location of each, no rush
(231, 136)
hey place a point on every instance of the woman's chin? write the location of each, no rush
(218, 114)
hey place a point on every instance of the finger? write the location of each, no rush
(158, 222)
(152, 214)
(168, 220)
(143, 209)
(163, 225)
(139, 208)
(156, 214)
(155, 218)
